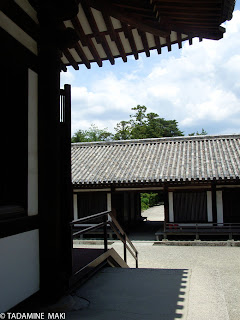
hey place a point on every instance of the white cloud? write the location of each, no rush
(199, 88)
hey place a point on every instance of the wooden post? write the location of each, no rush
(125, 248)
(105, 218)
(54, 163)
(214, 202)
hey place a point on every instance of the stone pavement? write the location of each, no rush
(173, 282)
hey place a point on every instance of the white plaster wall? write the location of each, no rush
(19, 268)
(75, 207)
(219, 207)
(109, 204)
(170, 200)
(209, 206)
(32, 143)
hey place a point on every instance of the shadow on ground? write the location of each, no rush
(145, 294)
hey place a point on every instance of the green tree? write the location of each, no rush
(159, 127)
(138, 123)
(92, 134)
(202, 133)
(122, 131)
(146, 125)
(80, 136)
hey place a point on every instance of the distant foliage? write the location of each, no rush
(202, 133)
(141, 125)
(149, 200)
(92, 134)
(144, 125)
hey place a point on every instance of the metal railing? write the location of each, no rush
(115, 226)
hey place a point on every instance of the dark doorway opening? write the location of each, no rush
(151, 218)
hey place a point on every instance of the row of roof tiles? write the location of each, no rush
(154, 160)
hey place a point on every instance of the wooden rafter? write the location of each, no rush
(128, 34)
(168, 41)
(82, 55)
(114, 35)
(179, 40)
(100, 39)
(86, 41)
(144, 42)
(70, 59)
(158, 44)
(79, 51)
(153, 27)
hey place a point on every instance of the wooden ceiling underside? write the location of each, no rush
(110, 29)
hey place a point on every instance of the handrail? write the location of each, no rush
(115, 226)
(89, 229)
(126, 239)
(93, 216)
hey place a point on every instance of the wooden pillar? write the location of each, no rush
(214, 202)
(55, 250)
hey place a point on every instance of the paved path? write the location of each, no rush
(211, 288)
(155, 213)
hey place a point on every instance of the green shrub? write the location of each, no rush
(149, 200)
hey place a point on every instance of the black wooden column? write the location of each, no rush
(55, 258)
(214, 202)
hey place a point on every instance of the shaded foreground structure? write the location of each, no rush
(39, 39)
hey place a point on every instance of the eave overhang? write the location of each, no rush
(91, 31)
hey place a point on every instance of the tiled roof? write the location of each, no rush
(156, 160)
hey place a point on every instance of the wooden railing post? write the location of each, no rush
(105, 218)
(125, 248)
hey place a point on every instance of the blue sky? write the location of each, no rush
(198, 85)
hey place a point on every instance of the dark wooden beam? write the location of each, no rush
(100, 39)
(70, 59)
(155, 28)
(144, 42)
(132, 7)
(63, 67)
(179, 40)
(114, 35)
(55, 260)
(82, 55)
(78, 28)
(128, 34)
(88, 13)
(207, 33)
(214, 202)
(79, 51)
(158, 44)
(168, 40)
(86, 41)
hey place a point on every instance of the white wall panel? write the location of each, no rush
(171, 213)
(19, 268)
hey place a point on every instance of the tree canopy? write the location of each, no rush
(92, 134)
(202, 133)
(141, 125)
